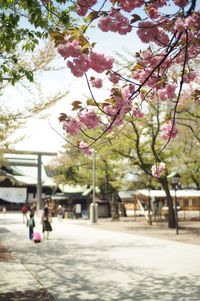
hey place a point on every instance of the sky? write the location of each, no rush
(40, 135)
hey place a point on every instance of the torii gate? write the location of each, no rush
(38, 164)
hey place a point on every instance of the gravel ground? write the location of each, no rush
(189, 231)
(30, 295)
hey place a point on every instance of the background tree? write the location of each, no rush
(14, 115)
(23, 26)
(73, 167)
(186, 148)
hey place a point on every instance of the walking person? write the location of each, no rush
(63, 212)
(73, 213)
(4, 211)
(33, 208)
(31, 226)
(60, 213)
(24, 211)
(46, 221)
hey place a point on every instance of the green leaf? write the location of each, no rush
(92, 16)
(57, 37)
(90, 102)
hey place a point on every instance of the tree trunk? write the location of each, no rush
(171, 215)
(114, 208)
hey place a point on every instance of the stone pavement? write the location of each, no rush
(84, 262)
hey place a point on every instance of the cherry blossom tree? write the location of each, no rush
(164, 70)
(170, 29)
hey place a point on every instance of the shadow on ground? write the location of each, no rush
(87, 272)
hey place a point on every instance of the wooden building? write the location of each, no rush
(129, 203)
(188, 202)
(76, 199)
(137, 203)
(19, 180)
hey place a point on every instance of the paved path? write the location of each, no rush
(88, 263)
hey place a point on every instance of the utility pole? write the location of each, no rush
(93, 206)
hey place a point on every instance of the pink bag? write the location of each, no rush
(36, 237)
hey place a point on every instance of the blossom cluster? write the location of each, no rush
(97, 83)
(83, 6)
(74, 125)
(138, 113)
(167, 92)
(114, 78)
(86, 150)
(158, 169)
(129, 5)
(122, 104)
(115, 22)
(82, 62)
(90, 119)
(148, 32)
(169, 130)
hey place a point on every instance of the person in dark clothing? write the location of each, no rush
(33, 208)
(46, 222)
(31, 226)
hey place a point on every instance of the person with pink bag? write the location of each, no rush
(36, 237)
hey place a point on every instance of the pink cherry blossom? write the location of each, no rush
(46, 1)
(81, 10)
(79, 65)
(148, 32)
(138, 113)
(153, 13)
(190, 77)
(90, 119)
(180, 25)
(168, 92)
(72, 126)
(118, 121)
(168, 132)
(114, 78)
(82, 62)
(128, 91)
(100, 63)
(129, 5)
(84, 147)
(180, 3)
(83, 6)
(115, 22)
(158, 169)
(67, 49)
(110, 110)
(97, 83)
